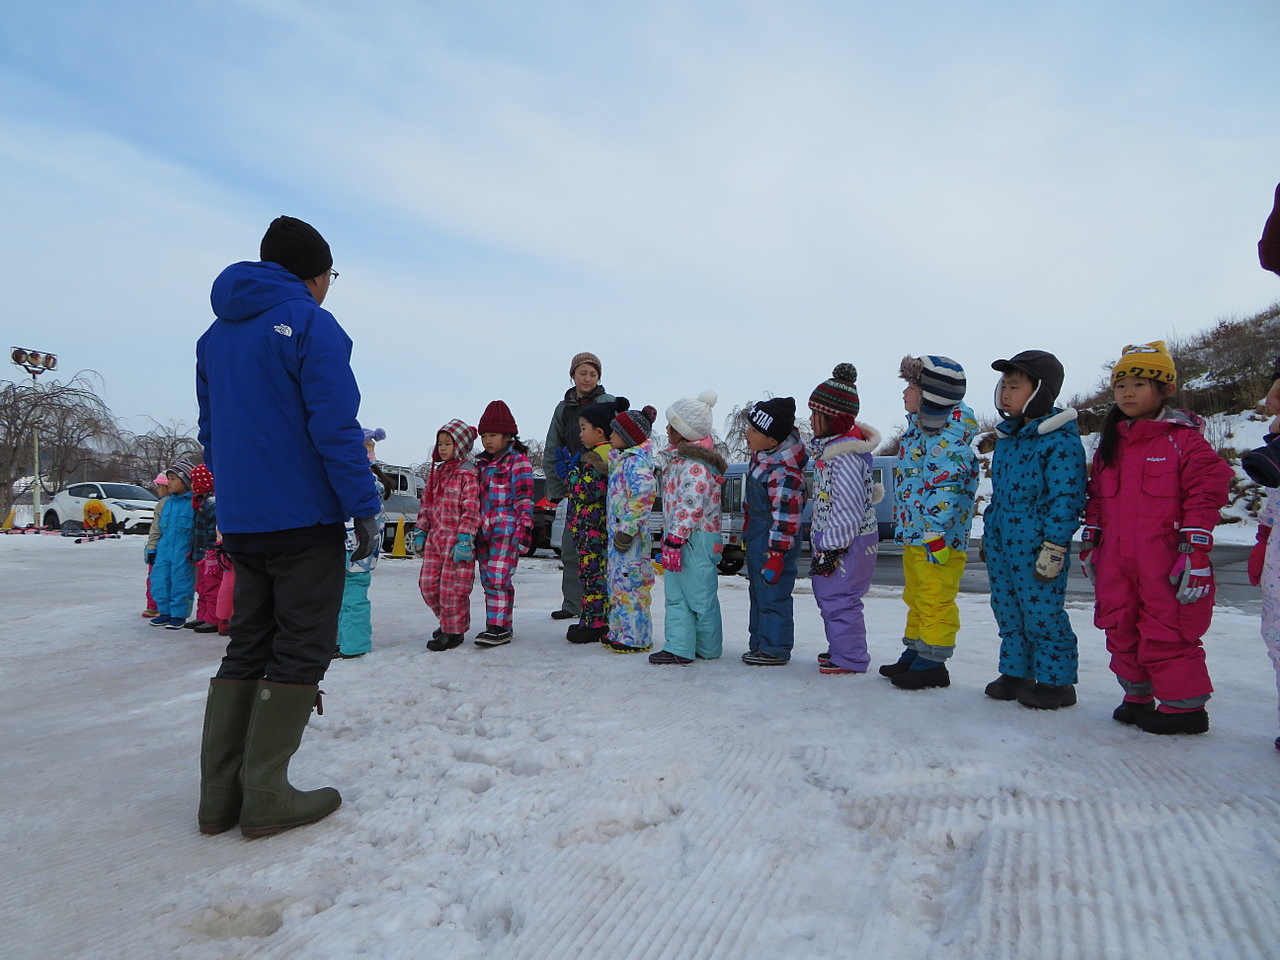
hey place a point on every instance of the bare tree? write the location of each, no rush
(73, 424)
(536, 455)
(734, 445)
(143, 455)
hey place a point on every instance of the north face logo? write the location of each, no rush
(283, 329)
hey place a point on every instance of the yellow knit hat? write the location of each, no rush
(1149, 360)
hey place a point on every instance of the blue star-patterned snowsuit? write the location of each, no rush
(1037, 494)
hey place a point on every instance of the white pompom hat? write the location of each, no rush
(692, 417)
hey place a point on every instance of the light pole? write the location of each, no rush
(35, 362)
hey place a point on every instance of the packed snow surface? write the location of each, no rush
(549, 801)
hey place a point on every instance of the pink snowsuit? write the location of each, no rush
(1163, 477)
(450, 506)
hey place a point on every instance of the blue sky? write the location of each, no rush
(712, 195)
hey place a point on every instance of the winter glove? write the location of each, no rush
(368, 533)
(1089, 539)
(1049, 562)
(149, 556)
(936, 544)
(419, 540)
(671, 554)
(825, 562)
(1258, 555)
(566, 460)
(622, 541)
(772, 568)
(464, 551)
(1192, 574)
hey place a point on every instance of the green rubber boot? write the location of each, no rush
(226, 720)
(271, 804)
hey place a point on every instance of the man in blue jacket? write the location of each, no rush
(278, 405)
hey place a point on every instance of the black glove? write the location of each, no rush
(368, 533)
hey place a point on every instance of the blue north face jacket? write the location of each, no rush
(278, 405)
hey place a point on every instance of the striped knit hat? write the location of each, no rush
(634, 426)
(941, 382)
(182, 470)
(838, 395)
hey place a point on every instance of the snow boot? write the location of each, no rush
(578, 633)
(493, 637)
(444, 641)
(1048, 696)
(902, 666)
(271, 804)
(922, 675)
(1191, 721)
(664, 657)
(758, 658)
(1006, 687)
(1130, 710)
(226, 721)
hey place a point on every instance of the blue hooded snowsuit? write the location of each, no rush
(1037, 494)
(173, 575)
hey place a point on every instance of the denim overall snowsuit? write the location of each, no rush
(771, 625)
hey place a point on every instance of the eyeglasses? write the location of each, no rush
(333, 276)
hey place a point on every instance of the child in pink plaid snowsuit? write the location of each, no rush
(506, 518)
(448, 519)
(206, 550)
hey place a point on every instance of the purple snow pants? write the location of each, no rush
(839, 599)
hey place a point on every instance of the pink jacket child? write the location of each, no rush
(448, 519)
(1153, 499)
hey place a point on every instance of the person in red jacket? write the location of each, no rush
(1154, 494)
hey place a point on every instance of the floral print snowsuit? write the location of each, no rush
(588, 484)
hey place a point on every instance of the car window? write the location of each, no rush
(83, 491)
(126, 491)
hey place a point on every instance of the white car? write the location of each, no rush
(132, 507)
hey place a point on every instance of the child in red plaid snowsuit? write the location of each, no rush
(506, 518)
(448, 519)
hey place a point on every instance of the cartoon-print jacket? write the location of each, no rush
(692, 477)
(936, 481)
(632, 490)
(506, 495)
(781, 470)
(845, 491)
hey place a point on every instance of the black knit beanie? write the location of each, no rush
(775, 418)
(297, 246)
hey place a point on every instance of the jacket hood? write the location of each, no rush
(244, 290)
(1055, 419)
(1183, 418)
(849, 442)
(790, 451)
(464, 439)
(703, 451)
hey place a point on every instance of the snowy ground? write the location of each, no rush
(543, 800)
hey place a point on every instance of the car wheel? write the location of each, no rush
(730, 565)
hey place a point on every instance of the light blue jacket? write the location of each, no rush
(936, 481)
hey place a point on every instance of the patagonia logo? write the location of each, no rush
(283, 329)
(1156, 459)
